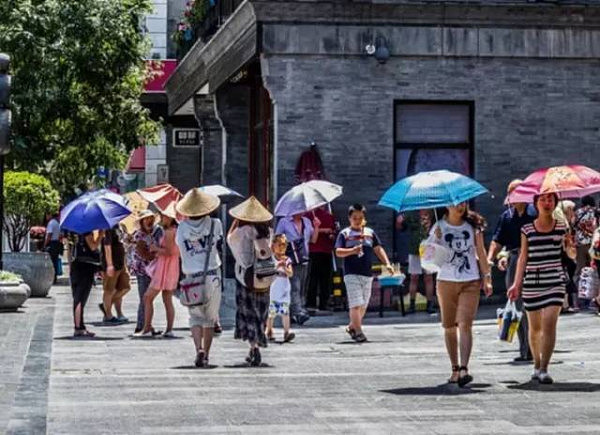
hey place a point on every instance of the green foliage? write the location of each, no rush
(78, 73)
(27, 197)
(75, 167)
(194, 14)
(6, 276)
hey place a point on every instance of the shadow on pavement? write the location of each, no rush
(96, 338)
(518, 363)
(192, 367)
(247, 366)
(365, 342)
(558, 387)
(439, 390)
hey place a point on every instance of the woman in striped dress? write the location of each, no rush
(541, 280)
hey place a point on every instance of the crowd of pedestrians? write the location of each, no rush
(285, 270)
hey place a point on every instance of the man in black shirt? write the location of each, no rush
(508, 235)
(115, 280)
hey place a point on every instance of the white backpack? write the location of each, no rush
(263, 271)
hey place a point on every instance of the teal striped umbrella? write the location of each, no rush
(427, 190)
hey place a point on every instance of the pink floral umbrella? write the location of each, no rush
(569, 181)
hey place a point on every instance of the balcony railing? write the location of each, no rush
(215, 18)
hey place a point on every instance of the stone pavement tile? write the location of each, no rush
(322, 383)
(25, 341)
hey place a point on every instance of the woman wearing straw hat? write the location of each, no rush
(141, 256)
(164, 271)
(193, 237)
(251, 224)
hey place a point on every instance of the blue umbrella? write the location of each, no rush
(98, 210)
(431, 190)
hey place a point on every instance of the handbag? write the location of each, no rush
(509, 319)
(193, 290)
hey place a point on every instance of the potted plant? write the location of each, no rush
(13, 292)
(27, 197)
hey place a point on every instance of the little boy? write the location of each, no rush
(280, 290)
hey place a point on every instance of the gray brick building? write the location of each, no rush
(492, 88)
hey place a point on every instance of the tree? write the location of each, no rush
(78, 72)
(27, 197)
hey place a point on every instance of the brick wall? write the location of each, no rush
(529, 113)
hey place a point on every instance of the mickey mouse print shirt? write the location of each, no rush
(462, 265)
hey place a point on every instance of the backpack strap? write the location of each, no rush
(209, 249)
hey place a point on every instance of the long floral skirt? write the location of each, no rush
(251, 315)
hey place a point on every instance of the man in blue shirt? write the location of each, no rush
(508, 235)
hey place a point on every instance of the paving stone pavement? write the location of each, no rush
(322, 383)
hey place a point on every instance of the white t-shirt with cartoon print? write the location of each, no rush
(462, 265)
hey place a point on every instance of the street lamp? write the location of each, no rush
(5, 116)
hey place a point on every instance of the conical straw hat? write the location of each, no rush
(251, 210)
(197, 203)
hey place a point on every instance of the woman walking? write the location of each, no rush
(198, 238)
(250, 228)
(540, 278)
(356, 244)
(86, 262)
(141, 257)
(165, 275)
(459, 282)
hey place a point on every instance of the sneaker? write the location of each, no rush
(288, 337)
(111, 321)
(168, 334)
(155, 332)
(360, 338)
(535, 376)
(200, 360)
(137, 331)
(149, 334)
(301, 319)
(351, 332)
(122, 319)
(545, 378)
(523, 359)
(431, 308)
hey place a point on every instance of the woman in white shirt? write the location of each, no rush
(459, 282)
(193, 236)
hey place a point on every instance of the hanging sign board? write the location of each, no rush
(187, 137)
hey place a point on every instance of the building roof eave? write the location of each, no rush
(234, 44)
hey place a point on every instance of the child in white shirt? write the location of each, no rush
(280, 290)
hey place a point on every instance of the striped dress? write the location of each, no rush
(544, 282)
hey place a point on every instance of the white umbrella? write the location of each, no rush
(306, 197)
(219, 190)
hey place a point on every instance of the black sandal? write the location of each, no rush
(466, 379)
(455, 369)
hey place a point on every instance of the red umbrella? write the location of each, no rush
(161, 195)
(569, 181)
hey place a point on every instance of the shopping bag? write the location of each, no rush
(509, 319)
(588, 283)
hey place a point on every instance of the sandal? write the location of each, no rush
(466, 379)
(83, 333)
(455, 369)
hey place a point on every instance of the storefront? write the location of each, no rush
(387, 89)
